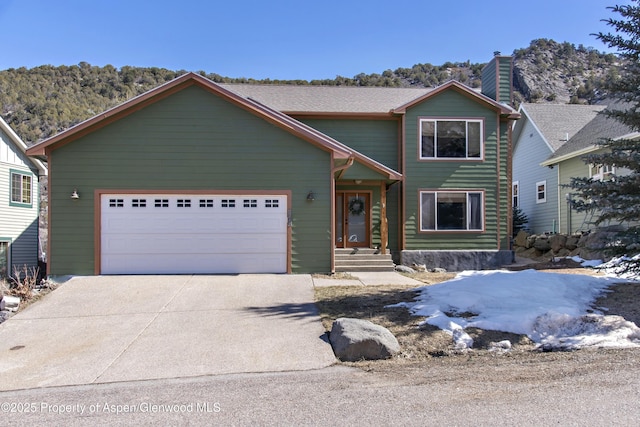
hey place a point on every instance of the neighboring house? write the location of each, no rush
(197, 177)
(568, 163)
(539, 134)
(19, 204)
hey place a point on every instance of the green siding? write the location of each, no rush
(489, 175)
(578, 222)
(393, 217)
(506, 77)
(377, 139)
(489, 79)
(360, 171)
(191, 140)
(499, 66)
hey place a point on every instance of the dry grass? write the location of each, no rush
(426, 342)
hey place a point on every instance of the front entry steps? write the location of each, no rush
(362, 259)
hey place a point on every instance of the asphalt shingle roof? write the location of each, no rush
(600, 127)
(328, 99)
(560, 122)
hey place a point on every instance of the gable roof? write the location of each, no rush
(301, 99)
(557, 123)
(307, 133)
(504, 109)
(18, 142)
(584, 141)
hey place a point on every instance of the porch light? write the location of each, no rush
(311, 197)
(75, 194)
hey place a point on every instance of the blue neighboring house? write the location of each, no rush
(540, 133)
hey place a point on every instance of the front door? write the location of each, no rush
(353, 220)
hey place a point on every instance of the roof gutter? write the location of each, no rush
(587, 150)
(555, 160)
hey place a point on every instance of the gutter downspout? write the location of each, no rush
(343, 168)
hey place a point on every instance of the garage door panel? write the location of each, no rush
(189, 264)
(185, 234)
(140, 244)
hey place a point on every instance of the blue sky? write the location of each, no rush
(286, 39)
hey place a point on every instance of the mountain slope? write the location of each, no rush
(42, 101)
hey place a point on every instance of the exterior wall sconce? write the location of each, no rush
(75, 194)
(311, 197)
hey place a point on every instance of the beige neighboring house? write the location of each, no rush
(19, 203)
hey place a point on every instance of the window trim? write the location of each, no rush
(537, 193)
(467, 120)
(28, 174)
(482, 228)
(515, 194)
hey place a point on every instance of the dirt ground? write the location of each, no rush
(430, 345)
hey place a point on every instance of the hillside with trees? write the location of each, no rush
(42, 101)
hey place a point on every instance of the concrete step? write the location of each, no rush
(362, 259)
(356, 251)
(370, 268)
(363, 256)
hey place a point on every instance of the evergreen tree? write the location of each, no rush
(519, 220)
(618, 199)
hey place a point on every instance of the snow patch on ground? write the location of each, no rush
(553, 310)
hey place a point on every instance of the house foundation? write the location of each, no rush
(458, 260)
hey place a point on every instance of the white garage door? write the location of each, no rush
(186, 234)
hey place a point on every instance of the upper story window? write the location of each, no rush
(451, 139)
(21, 188)
(601, 172)
(541, 192)
(451, 210)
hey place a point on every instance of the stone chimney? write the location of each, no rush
(497, 79)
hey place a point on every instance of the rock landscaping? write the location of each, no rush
(356, 339)
(585, 245)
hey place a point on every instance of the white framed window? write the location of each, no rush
(541, 192)
(601, 172)
(21, 188)
(515, 194)
(451, 139)
(451, 210)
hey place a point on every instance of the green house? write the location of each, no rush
(198, 177)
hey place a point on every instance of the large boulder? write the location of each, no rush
(357, 339)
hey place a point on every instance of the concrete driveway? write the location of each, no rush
(123, 328)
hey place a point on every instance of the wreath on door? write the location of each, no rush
(356, 206)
